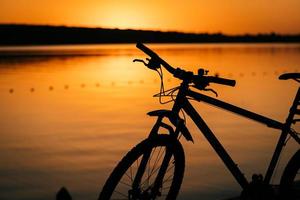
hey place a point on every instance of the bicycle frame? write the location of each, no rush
(182, 102)
(259, 187)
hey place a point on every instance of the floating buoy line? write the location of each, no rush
(154, 81)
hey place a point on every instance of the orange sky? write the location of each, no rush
(227, 16)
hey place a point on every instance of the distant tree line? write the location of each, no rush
(14, 34)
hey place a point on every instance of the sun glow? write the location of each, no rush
(116, 14)
(232, 17)
(123, 17)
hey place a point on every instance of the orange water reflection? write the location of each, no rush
(68, 118)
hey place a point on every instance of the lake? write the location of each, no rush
(70, 113)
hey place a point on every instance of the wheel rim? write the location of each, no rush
(124, 188)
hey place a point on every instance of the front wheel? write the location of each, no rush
(290, 181)
(160, 176)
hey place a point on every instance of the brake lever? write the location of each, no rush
(211, 90)
(152, 63)
(140, 60)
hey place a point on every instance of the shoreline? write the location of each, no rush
(20, 34)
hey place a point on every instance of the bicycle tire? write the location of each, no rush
(131, 158)
(290, 181)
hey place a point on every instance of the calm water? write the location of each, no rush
(69, 114)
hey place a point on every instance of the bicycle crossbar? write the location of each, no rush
(217, 146)
(246, 113)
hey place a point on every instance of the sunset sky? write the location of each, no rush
(228, 16)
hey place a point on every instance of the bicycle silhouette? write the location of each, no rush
(154, 168)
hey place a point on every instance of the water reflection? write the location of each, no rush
(67, 120)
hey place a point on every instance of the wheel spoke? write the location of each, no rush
(130, 177)
(125, 183)
(157, 158)
(153, 169)
(169, 168)
(131, 174)
(119, 185)
(168, 179)
(150, 175)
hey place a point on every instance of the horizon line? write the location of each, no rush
(152, 30)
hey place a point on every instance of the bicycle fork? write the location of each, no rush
(154, 190)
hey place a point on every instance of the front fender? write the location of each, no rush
(175, 120)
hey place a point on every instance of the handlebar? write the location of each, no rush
(222, 81)
(154, 56)
(181, 74)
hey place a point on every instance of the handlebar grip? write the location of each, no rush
(154, 56)
(146, 50)
(222, 81)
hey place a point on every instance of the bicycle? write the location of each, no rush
(154, 168)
